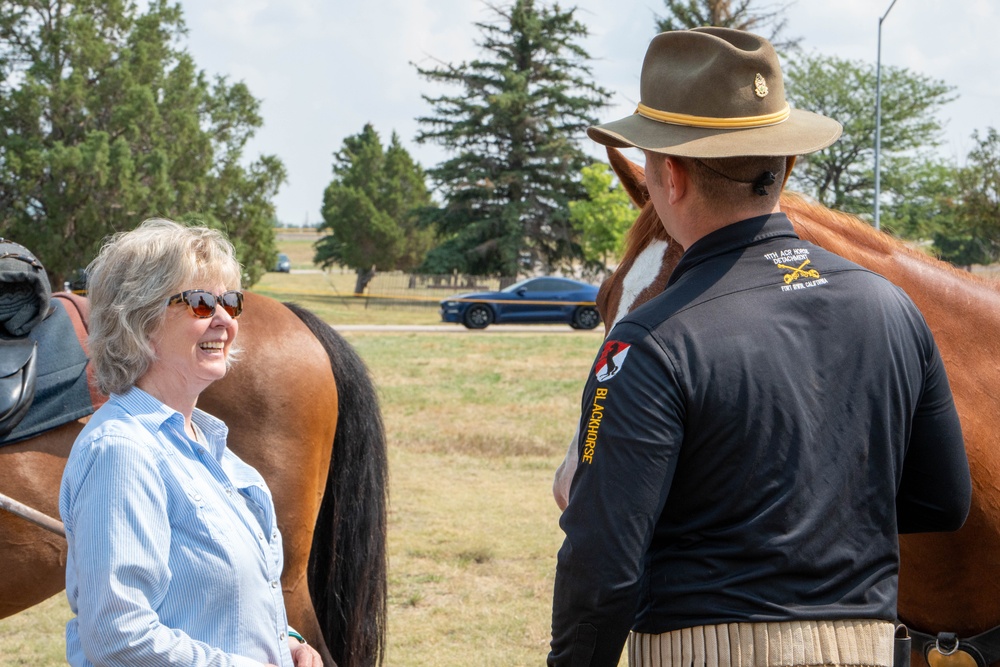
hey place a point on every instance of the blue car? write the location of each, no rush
(531, 301)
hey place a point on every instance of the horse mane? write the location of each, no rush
(646, 229)
(811, 218)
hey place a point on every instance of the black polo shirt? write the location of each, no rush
(752, 442)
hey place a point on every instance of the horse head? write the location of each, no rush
(650, 254)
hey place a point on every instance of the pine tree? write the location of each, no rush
(737, 14)
(371, 209)
(512, 131)
(107, 121)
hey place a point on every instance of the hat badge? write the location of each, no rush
(760, 86)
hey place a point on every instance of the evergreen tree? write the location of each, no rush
(512, 131)
(107, 121)
(371, 209)
(737, 14)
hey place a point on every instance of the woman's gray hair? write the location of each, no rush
(129, 283)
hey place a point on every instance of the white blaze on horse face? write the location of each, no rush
(644, 271)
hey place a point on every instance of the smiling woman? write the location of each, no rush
(188, 519)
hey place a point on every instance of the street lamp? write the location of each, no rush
(878, 112)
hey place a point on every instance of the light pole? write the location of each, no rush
(878, 112)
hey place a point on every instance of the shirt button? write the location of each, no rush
(274, 584)
(260, 536)
(282, 636)
(197, 497)
(274, 535)
(229, 492)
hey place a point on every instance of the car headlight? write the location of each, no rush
(449, 304)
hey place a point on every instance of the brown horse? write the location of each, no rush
(301, 408)
(948, 582)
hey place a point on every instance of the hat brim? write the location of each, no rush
(801, 133)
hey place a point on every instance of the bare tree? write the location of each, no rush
(766, 19)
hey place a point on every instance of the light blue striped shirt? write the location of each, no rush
(174, 552)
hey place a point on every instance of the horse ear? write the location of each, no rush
(631, 175)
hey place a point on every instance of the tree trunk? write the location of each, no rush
(364, 277)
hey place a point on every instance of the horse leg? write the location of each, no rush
(296, 482)
(32, 559)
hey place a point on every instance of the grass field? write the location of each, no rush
(476, 426)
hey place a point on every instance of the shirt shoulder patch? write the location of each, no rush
(610, 360)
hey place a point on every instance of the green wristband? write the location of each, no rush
(293, 633)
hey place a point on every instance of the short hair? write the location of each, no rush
(129, 283)
(729, 181)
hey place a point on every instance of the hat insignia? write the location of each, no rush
(760, 86)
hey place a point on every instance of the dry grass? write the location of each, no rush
(476, 427)
(488, 396)
(298, 245)
(329, 295)
(35, 637)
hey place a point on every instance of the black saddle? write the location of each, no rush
(18, 372)
(25, 297)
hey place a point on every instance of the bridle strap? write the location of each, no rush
(984, 647)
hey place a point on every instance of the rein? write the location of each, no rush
(40, 519)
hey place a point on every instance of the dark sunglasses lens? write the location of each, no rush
(232, 303)
(202, 304)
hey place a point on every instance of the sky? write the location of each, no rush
(323, 68)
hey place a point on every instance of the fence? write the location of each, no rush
(397, 289)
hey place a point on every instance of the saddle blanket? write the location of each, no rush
(61, 391)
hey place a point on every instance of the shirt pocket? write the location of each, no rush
(206, 516)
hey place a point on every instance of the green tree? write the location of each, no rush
(842, 176)
(107, 121)
(974, 235)
(737, 14)
(603, 218)
(371, 209)
(513, 131)
(923, 199)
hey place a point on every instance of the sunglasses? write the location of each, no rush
(202, 303)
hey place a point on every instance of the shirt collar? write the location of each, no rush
(733, 237)
(153, 414)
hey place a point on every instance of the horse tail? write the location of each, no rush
(347, 564)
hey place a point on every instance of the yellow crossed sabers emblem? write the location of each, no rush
(797, 273)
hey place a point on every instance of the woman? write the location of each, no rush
(174, 553)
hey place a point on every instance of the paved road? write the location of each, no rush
(457, 328)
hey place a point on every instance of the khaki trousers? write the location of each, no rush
(858, 643)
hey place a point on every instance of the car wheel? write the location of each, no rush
(585, 317)
(478, 316)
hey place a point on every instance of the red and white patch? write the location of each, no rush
(611, 360)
